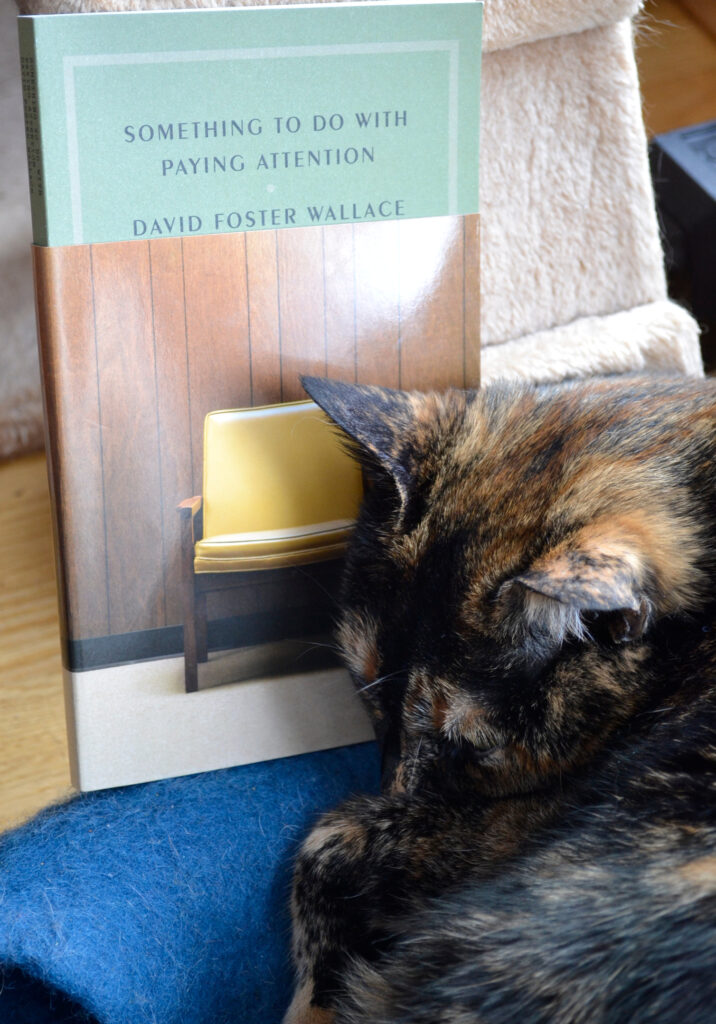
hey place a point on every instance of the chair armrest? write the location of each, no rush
(190, 531)
(189, 507)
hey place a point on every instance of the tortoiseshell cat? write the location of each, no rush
(528, 611)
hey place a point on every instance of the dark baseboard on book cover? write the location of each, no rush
(150, 644)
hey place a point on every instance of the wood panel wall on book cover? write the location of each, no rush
(140, 340)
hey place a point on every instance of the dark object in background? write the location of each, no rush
(683, 168)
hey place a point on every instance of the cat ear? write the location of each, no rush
(380, 421)
(598, 570)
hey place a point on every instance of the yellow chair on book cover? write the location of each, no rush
(279, 490)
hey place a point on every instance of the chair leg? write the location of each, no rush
(201, 627)
(191, 672)
(190, 516)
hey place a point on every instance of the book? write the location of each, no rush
(222, 201)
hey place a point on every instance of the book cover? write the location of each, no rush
(222, 201)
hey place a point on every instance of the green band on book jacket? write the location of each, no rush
(144, 125)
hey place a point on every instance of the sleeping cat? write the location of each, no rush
(528, 613)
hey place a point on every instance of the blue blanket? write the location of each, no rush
(167, 902)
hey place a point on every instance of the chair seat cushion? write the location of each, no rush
(272, 549)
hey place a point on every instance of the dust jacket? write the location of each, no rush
(222, 201)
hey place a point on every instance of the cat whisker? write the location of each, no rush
(315, 644)
(376, 682)
(329, 593)
(310, 646)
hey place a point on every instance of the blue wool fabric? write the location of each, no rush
(165, 903)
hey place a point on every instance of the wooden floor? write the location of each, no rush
(33, 748)
(677, 63)
(677, 57)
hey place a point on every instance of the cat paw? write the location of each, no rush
(303, 1011)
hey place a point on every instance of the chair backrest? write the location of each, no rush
(275, 467)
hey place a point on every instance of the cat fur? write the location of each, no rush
(528, 612)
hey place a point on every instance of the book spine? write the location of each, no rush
(47, 267)
(33, 139)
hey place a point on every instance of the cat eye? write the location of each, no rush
(464, 752)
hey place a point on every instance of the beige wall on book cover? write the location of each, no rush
(135, 723)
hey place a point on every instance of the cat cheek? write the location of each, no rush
(415, 761)
(397, 785)
(357, 637)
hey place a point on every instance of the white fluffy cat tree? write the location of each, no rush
(572, 275)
